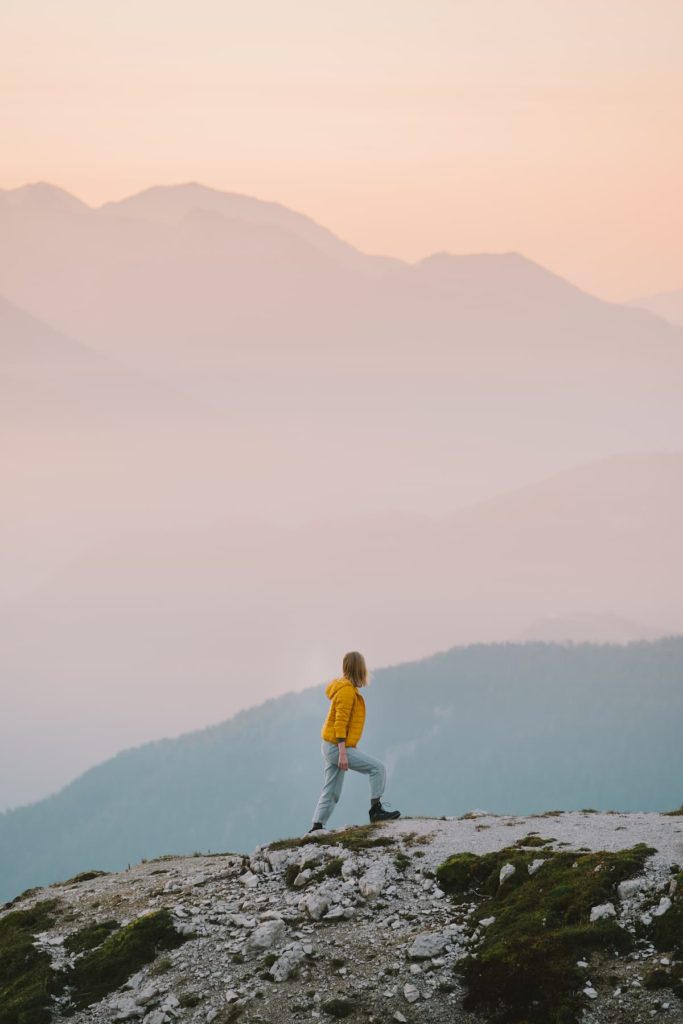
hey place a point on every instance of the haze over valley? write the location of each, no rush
(233, 442)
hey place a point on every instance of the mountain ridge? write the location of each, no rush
(410, 918)
(226, 785)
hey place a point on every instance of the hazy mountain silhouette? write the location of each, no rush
(478, 371)
(586, 628)
(668, 305)
(170, 204)
(48, 378)
(510, 728)
(167, 629)
(104, 448)
(282, 377)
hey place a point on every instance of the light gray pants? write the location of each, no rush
(334, 777)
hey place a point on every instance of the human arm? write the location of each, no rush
(343, 706)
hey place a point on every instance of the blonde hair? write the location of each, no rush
(355, 669)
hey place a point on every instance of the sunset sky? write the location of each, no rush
(550, 127)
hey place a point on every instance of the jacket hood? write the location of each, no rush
(336, 685)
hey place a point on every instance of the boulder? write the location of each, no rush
(287, 963)
(267, 935)
(372, 882)
(426, 945)
(506, 872)
(602, 911)
(664, 905)
(411, 992)
(316, 906)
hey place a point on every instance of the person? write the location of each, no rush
(340, 734)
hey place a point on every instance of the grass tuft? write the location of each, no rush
(84, 876)
(90, 936)
(338, 1007)
(667, 930)
(524, 968)
(124, 952)
(357, 837)
(27, 980)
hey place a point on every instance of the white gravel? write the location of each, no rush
(597, 831)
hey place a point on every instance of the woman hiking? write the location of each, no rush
(340, 735)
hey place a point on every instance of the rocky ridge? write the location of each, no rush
(354, 923)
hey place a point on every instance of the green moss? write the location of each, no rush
(667, 930)
(524, 969)
(533, 839)
(338, 1007)
(123, 953)
(189, 999)
(401, 861)
(21, 897)
(85, 876)
(229, 1015)
(27, 980)
(357, 837)
(269, 959)
(464, 872)
(656, 978)
(290, 873)
(90, 936)
(676, 813)
(333, 868)
(161, 966)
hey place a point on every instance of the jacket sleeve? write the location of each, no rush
(343, 704)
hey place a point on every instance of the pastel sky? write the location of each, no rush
(550, 127)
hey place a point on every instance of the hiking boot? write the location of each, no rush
(316, 826)
(379, 813)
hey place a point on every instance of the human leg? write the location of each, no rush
(367, 765)
(361, 762)
(332, 784)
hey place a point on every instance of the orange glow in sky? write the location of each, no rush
(550, 127)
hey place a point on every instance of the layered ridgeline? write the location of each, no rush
(511, 728)
(548, 919)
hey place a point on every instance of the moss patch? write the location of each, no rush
(358, 837)
(161, 966)
(290, 874)
(85, 876)
(338, 1007)
(533, 839)
(524, 969)
(90, 936)
(401, 861)
(27, 981)
(124, 952)
(667, 930)
(333, 868)
(189, 999)
(22, 896)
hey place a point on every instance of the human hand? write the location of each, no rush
(343, 759)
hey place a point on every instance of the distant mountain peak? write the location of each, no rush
(498, 269)
(43, 196)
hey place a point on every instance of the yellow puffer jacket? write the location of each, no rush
(346, 716)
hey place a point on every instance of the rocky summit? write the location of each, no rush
(544, 919)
